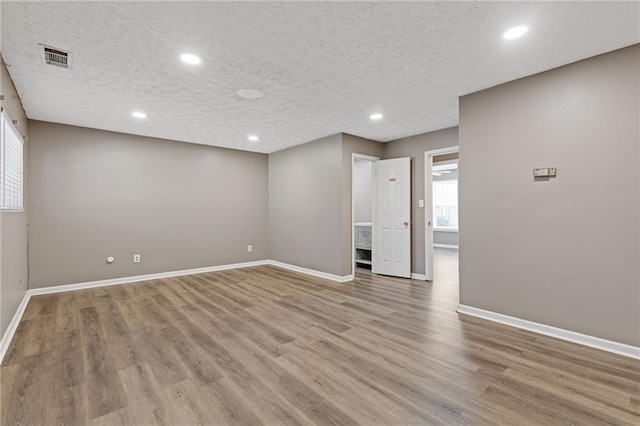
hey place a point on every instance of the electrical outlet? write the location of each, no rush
(136, 258)
(249, 249)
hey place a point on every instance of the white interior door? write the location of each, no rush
(391, 220)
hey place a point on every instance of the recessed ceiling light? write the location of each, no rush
(515, 32)
(139, 114)
(376, 116)
(190, 58)
(249, 94)
(253, 138)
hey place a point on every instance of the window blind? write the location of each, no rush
(11, 173)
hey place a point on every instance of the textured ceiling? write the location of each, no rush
(323, 67)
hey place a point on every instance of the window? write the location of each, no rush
(445, 205)
(11, 145)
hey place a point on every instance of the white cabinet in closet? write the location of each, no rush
(362, 242)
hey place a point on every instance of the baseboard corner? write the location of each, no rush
(312, 272)
(558, 333)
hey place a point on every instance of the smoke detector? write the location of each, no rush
(56, 57)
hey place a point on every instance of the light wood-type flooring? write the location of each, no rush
(268, 346)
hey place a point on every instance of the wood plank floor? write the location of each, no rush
(268, 346)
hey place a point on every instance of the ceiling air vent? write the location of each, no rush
(56, 57)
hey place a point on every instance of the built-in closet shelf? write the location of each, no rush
(362, 242)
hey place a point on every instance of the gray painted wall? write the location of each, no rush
(13, 225)
(95, 194)
(305, 205)
(445, 237)
(350, 145)
(362, 190)
(310, 202)
(545, 251)
(415, 147)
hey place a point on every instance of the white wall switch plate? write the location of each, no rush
(420, 203)
(544, 172)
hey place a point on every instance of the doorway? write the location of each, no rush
(361, 211)
(441, 205)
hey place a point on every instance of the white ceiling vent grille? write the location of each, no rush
(56, 57)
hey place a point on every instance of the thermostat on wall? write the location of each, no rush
(544, 172)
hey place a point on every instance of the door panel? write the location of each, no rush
(386, 245)
(391, 227)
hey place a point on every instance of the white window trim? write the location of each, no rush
(436, 229)
(3, 113)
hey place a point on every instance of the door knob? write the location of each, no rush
(406, 224)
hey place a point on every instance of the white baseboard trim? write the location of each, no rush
(13, 326)
(15, 321)
(312, 272)
(559, 333)
(450, 246)
(420, 277)
(138, 278)
(17, 317)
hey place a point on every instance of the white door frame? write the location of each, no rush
(353, 215)
(428, 205)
